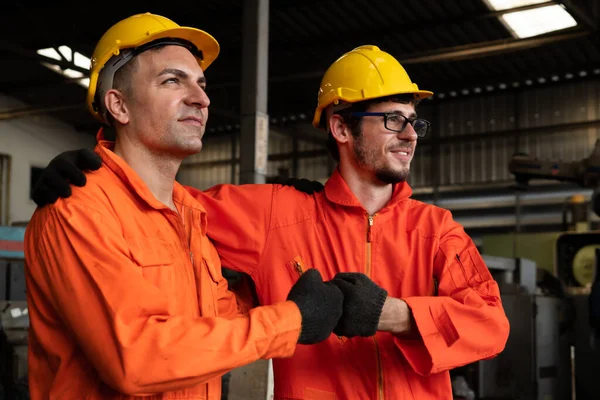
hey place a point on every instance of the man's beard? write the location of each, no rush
(384, 174)
(387, 175)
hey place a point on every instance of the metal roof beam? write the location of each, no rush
(395, 29)
(24, 112)
(582, 16)
(495, 47)
(471, 51)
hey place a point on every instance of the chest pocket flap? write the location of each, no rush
(150, 251)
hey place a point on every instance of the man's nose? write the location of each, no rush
(408, 133)
(197, 97)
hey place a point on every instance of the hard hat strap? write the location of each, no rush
(170, 42)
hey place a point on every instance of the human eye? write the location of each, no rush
(395, 118)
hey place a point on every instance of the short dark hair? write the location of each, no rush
(354, 123)
(122, 82)
(123, 77)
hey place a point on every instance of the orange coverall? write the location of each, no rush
(274, 233)
(126, 297)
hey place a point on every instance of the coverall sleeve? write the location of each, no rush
(228, 303)
(465, 322)
(239, 218)
(122, 323)
(231, 301)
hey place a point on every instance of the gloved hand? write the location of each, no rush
(320, 305)
(304, 185)
(64, 170)
(363, 302)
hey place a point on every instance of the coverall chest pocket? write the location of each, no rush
(208, 254)
(214, 271)
(155, 258)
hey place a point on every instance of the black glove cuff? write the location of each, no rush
(372, 319)
(310, 331)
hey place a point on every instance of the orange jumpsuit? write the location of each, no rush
(126, 297)
(274, 233)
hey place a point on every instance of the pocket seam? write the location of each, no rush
(145, 252)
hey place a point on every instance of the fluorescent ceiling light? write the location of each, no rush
(508, 4)
(72, 73)
(50, 53)
(81, 61)
(65, 53)
(538, 21)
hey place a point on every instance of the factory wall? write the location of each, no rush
(25, 143)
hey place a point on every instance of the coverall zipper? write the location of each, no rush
(298, 267)
(370, 221)
(369, 225)
(186, 241)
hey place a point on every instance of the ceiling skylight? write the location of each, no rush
(65, 53)
(535, 21)
(538, 21)
(508, 4)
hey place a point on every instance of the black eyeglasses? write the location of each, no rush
(396, 122)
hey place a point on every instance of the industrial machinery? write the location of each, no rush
(576, 256)
(575, 248)
(585, 173)
(535, 362)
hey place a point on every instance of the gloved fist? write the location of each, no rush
(304, 185)
(64, 170)
(320, 305)
(363, 302)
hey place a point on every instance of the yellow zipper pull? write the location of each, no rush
(369, 228)
(299, 267)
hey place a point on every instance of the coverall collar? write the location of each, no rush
(338, 192)
(119, 167)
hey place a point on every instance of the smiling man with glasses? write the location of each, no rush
(418, 298)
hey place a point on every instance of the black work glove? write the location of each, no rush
(304, 185)
(320, 305)
(363, 302)
(64, 170)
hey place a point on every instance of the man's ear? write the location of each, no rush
(339, 129)
(116, 106)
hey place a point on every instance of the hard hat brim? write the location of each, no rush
(199, 38)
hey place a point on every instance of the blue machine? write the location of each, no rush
(12, 259)
(11, 243)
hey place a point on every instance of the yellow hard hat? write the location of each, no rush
(362, 74)
(138, 30)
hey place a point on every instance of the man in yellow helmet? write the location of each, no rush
(418, 298)
(125, 291)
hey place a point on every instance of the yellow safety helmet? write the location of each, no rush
(362, 74)
(136, 31)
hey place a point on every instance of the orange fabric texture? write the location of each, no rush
(126, 297)
(274, 233)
